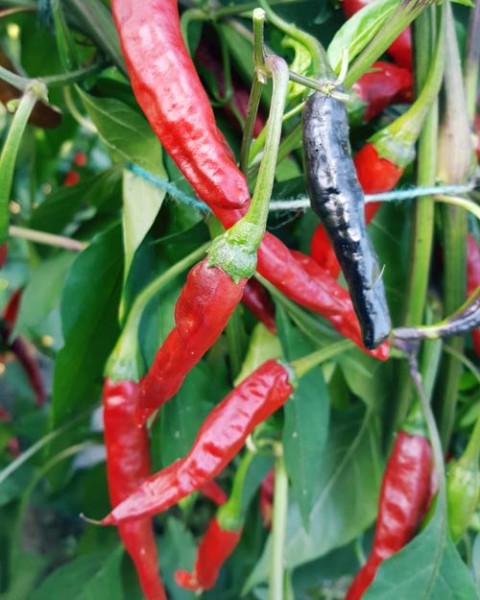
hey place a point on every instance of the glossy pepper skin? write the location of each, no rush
(171, 95)
(258, 302)
(203, 308)
(219, 439)
(384, 84)
(473, 280)
(128, 465)
(400, 49)
(404, 499)
(215, 547)
(337, 198)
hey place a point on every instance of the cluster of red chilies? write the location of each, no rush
(181, 116)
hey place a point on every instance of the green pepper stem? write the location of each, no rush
(8, 156)
(471, 454)
(460, 202)
(231, 515)
(397, 22)
(124, 362)
(303, 365)
(279, 527)
(396, 142)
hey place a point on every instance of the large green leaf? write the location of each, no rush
(125, 132)
(177, 552)
(346, 503)
(359, 30)
(429, 568)
(306, 419)
(90, 328)
(87, 577)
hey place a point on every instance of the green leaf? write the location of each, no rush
(125, 132)
(26, 570)
(346, 502)
(429, 568)
(86, 578)
(306, 420)
(263, 346)
(178, 551)
(42, 293)
(359, 30)
(90, 328)
(141, 204)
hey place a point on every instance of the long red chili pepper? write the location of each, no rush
(400, 49)
(128, 466)
(473, 280)
(152, 43)
(258, 301)
(215, 547)
(404, 499)
(378, 88)
(219, 439)
(205, 304)
(169, 92)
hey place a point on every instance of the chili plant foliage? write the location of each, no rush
(194, 398)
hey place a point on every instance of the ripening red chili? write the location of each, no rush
(257, 300)
(171, 95)
(203, 308)
(181, 103)
(404, 499)
(219, 439)
(214, 492)
(400, 49)
(384, 84)
(3, 254)
(266, 498)
(215, 547)
(128, 466)
(473, 279)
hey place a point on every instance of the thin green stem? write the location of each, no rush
(305, 364)
(22, 83)
(123, 363)
(279, 527)
(472, 60)
(460, 202)
(472, 451)
(423, 215)
(466, 362)
(10, 149)
(49, 239)
(231, 515)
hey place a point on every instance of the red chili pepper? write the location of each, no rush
(215, 547)
(403, 502)
(400, 49)
(160, 50)
(266, 498)
(258, 301)
(203, 308)
(3, 254)
(128, 466)
(473, 280)
(378, 88)
(221, 436)
(21, 348)
(214, 492)
(171, 95)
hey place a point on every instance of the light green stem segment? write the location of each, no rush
(400, 19)
(472, 61)
(10, 149)
(279, 528)
(396, 142)
(236, 250)
(231, 515)
(472, 451)
(124, 362)
(305, 364)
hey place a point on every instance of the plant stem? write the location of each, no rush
(423, 214)
(303, 365)
(455, 162)
(279, 523)
(10, 149)
(49, 239)
(472, 60)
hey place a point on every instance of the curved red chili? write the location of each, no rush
(404, 498)
(473, 280)
(219, 439)
(176, 106)
(257, 300)
(203, 308)
(128, 466)
(215, 547)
